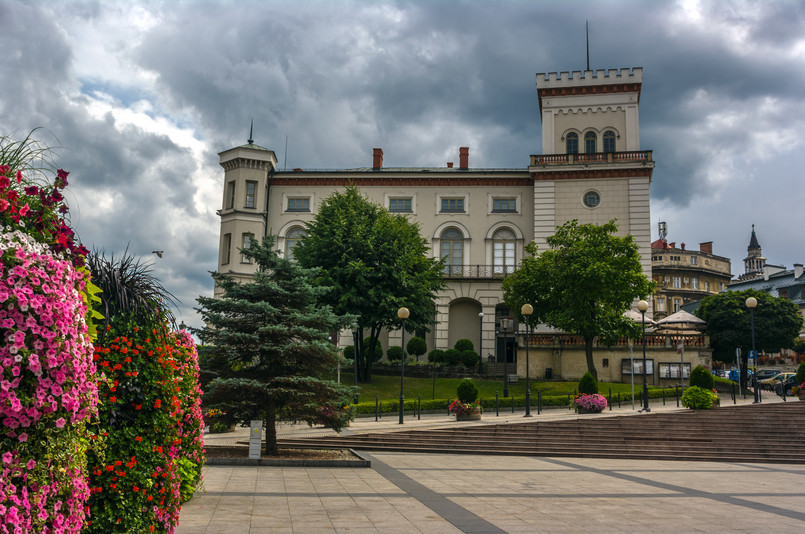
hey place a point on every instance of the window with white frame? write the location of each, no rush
(660, 304)
(246, 243)
(694, 260)
(452, 205)
(677, 282)
(707, 286)
(229, 201)
(251, 192)
(452, 250)
(226, 248)
(694, 282)
(504, 205)
(292, 238)
(503, 251)
(298, 204)
(400, 205)
(677, 304)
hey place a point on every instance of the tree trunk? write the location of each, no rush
(588, 351)
(271, 428)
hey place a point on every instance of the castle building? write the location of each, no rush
(683, 275)
(591, 168)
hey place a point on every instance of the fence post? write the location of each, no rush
(497, 405)
(619, 399)
(732, 387)
(677, 396)
(663, 396)
(419, 407)
(610, 398)
(377, 412)
(539, 401)
(512, 403)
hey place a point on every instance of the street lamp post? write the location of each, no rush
(643, 306)
(480, 340)
(751, 303)
(403, 314)
(504, 323)
(355, 358)
(526, 312)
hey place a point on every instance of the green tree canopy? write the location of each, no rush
(272, 335)
(582, 284)
(777, 323)
(370, 263)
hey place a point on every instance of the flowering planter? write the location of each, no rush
(468, 417)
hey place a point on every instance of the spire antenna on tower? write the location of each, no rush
(587, 31)
(251, 136)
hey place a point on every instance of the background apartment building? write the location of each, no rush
(591, 169)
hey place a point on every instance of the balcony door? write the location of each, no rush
(452, 250)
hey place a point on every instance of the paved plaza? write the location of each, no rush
(442, 493)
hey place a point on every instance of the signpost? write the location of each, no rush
(255, 435)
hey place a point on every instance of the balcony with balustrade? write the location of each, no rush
(477, 272)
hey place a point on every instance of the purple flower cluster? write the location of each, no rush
(47, 388)
(593, 403)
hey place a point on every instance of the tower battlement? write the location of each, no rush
(578, 78)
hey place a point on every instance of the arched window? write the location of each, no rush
(503, 246)
(609, 141)
(292, 238)
(590, 142)
(572, 140)
(452, 249)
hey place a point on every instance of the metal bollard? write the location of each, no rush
(619, 399)
(663, 396)
(677, 396)
(539, 401)
(512, 403)
(497, 405)
(377, 410)
(419, 407)
(610, 398)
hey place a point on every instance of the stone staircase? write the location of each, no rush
(763, 433)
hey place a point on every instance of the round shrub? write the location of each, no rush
(416, 346)
(702, 378)
(464, 344)
(436, 356)
(370, 355)
(452, 357)
(469, 358)
(394, 353)
(697, 398)
(800, 374)
(466, 391)
(588, 384)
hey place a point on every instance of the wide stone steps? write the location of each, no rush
(772, 433)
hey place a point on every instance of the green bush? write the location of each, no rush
(588, 384)
(801, 374)
(436, 356)
(467, 392)
(701, 377)
(799, 346)
(698, 398)
(394, 353)
(469, 358)
(372, 356)
(416, 347)
(452, 357)
(464, 344)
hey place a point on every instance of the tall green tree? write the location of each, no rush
(371, 263)
(582, 284)
(272, 335)
(777, 324)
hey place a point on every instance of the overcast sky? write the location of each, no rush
(141, 96)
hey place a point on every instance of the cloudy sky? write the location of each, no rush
(141, 96)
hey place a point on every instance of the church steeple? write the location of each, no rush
(754, 261)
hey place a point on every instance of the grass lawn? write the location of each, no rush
(388, 388)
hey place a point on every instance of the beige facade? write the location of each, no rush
(481, 219)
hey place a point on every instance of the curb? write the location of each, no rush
(273, 462)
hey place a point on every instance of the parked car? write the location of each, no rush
(769, 383)
(786, 385)
(763, 374)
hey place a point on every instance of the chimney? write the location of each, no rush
(464, 157)
(797, 270)
(449, 164)
(377, 158)
(706, 247)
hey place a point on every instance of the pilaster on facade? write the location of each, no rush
(544, 212)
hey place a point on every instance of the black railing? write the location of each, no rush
(477, 271)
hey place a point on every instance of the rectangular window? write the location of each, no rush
(504, 205)
(677, 304)
(660, 304)
(298, 204)
(707, 286)
(452, 205)
(229, 201)
(400, 205)
(694, 282)
(671, 370)
(251, 188)
(226, 249)
(693, 260)
(677, 282)
(246, 242)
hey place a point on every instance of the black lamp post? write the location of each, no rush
(355, 358)
(504, 323)
(751, 303)
(526, 312)
(403, 314)
(643, 306)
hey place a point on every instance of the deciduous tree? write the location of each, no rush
(582, 284)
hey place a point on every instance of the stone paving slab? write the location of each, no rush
(435, 493)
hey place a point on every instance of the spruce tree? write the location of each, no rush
(271, 339)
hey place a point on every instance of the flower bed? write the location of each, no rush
(594, 403)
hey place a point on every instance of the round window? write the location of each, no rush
(592, 199)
